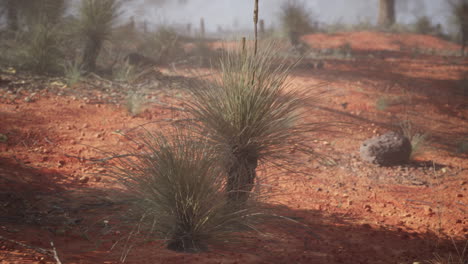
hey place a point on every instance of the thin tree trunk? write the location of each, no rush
(12, 15)
(241, 179)
(386, 13)
(91, 52)
(464, 26)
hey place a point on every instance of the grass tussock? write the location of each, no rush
(164, 45)
(459, 257)
(251, 114)
(178, 192)
(136, 103)
(73, 72)
(42, 49)
(418, 140)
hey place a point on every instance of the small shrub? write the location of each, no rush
(462, 147)
(418, 140)
(345, 50)
(295, 20)
(125, 72)
(423, 25)
(136, 103)
(73, 72)
(178, 194)
(41, 51)
(164, 46)
(382, 103)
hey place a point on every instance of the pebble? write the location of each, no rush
(61, 163)
(84, 179)
(459, 195)
(368, 208)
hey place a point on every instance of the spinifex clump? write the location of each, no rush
(250, 114)
(178, 189)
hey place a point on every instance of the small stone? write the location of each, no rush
(84, 179)
(319, 189)
(459, 221)
(463, 183)
(368, 208)
(73, 142)
(459, 195)
(429, 212)
(98, 135)
(367, 226)
(85, 125)
(97, 178)
(61, 163)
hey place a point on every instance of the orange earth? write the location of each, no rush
(51, 189)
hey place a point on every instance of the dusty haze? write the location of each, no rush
(236, 14)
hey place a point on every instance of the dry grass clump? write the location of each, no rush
(251, 114)
(164, 45)
(73, 72)
(178, 192)
(42, 48)
(136, 103)
(418, 140)
(460, 257)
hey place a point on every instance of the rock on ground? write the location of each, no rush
(386, 150)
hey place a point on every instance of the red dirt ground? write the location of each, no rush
(350, 212)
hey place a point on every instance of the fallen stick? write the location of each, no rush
(54, 251)
(37, 249)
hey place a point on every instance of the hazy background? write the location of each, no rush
(237, 14)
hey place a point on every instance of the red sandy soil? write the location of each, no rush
(350, 211)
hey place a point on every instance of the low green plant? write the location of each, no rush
(125, 72)
(418, 140)
(177, 187)
(136, 103)
(462, 146)
(73, 72)
(41, 49)
(382, 103)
